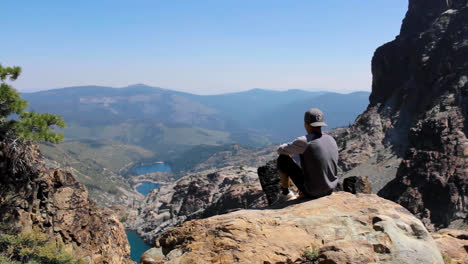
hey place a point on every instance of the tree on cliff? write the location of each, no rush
(16, 122)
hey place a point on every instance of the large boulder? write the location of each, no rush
(270, 181)
(355, 184)
(340, 228)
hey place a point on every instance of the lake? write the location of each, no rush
(137, 245)
(156, 167)
(146, 187)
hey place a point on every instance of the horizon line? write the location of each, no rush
(181, 91)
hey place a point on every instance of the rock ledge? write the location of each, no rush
(340, 228)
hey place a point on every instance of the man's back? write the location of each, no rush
(320, 164)
(319, 159)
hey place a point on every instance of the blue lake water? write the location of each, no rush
(146, 187)
(137, 245)
(156, 167)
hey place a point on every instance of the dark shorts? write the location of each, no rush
(289, 167)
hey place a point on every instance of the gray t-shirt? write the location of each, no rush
(319, 161)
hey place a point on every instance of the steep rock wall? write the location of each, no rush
(32, 195)
(418, 112)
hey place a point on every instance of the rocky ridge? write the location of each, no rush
(33, 195)
(198, 195)
(414, 131)
(241, 156)
(97, 165)
(340, 228)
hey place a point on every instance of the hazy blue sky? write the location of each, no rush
(202, 47)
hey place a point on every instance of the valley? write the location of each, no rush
(121, 157)
(112, 131)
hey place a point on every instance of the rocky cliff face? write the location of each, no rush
(414, 132)
(340, 228)
(32, 195)
(196, 196)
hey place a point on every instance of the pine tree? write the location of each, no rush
(16, 122)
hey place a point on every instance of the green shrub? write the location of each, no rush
(310, 254)
(33, 247)
(447, 259)
(124, 218)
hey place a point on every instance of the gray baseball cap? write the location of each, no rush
(314, 117)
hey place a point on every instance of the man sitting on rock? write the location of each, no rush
(319, 158)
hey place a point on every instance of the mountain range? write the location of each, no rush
(110, 131)
(165, 121)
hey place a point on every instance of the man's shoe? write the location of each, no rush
(287, 197)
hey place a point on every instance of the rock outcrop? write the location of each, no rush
(453, 244)
(340, 228)
(412, 138)
(196, 196)
(32, 195)
(270, 181)
(355, 184)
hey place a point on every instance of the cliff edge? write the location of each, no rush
(412, 139)
(340, 228)
(34, 196)
(198, 195)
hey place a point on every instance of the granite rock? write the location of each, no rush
(355, 184)
(33, 195)
(340, 228)
(453, 244)
(198, 195)
(270, 181)
(412, 139)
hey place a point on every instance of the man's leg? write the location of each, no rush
(284, 178)
(288, 169)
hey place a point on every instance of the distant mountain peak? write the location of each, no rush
(138, 85)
